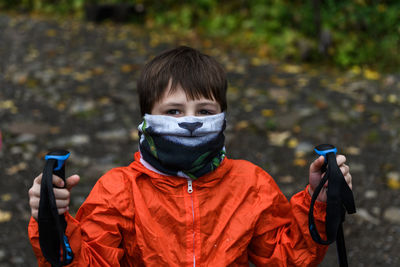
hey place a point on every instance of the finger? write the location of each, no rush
(72, 181)
(34, 191)
(61, 193)
(344, 169)
(62, 210)
(34, 214)
(38, 179)
(340, 159)
(317, 164)
(349, 180)
(34, 203)
(62, 203)
(57, 181)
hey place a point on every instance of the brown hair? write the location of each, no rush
(198, 74)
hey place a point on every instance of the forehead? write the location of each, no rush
(176, 91)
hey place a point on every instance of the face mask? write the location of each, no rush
(185, 146)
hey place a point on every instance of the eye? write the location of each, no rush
(172, 112)
(205, 112)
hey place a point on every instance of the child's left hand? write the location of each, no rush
(316, 175)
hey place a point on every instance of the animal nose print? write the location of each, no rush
(191, 126)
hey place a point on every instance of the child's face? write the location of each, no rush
(176, 104)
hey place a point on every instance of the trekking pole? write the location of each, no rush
(339, 200)
(53, 242)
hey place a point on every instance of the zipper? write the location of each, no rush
(190, 191)
(190, 188)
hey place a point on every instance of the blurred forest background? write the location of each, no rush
(300, 73)
(346, 34)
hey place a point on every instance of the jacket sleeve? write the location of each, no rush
(95, 235)
(281, 236)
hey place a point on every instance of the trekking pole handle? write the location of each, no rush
(60, 156)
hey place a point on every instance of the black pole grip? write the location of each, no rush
(53, 242)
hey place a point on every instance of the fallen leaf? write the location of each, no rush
(6, 197)
(5, 216)
(134, 135)
(293, 142)
(294, 69)
(300, 162)
(377, 98)
(51, 33)
(267, 112)
(242, 125)
(278, 138)
(393, 180)
(17, 168)
(352, 150)
(125, 68)
(371, 75)
(392, 98)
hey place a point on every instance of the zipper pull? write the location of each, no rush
(190, 186)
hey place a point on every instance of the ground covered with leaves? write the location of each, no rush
(66, 83)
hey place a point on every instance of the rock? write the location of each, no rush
(113, 135)
(370, 194)
(392, 214)
(2, 254)
(364, 215)
(75, 140)
(29, 127)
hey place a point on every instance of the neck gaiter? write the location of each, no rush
(186, 146)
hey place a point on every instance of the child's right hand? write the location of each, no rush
(62, 195)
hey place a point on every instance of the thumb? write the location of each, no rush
(72, 181)
(317, 164)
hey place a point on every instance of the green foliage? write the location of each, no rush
(363, 32)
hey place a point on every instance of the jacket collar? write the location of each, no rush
(206, 181)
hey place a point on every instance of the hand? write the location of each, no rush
(62, 195)
(316, 175)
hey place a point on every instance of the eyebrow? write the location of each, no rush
(204, 103)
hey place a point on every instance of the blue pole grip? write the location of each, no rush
(60, 159)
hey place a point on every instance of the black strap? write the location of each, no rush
(339, 200)
(52, 240)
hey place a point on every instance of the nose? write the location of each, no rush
(191, 126)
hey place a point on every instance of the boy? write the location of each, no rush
(182, 202)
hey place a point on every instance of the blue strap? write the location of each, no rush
(60, 160)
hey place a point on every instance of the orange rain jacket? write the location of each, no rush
(136, 217)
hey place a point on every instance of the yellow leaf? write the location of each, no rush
(371, 75)
(278, 138)
(98, 70)
(17, 168)
(55, 130)
(241, 125)
(5, 216)
(126, 68)
(300, 162)
(6, 197)
(9, 105)
(377, 98)
(359, 108)
(104, 101)
(393, 180)
(356, 70)
(293, 142)
(291, 68)
(297, 129)
(248, 107)
(267, 112)
(392, 98)
(61, 106)
(134, 135)
(51, 33)
(65, 70)
(352, 150)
